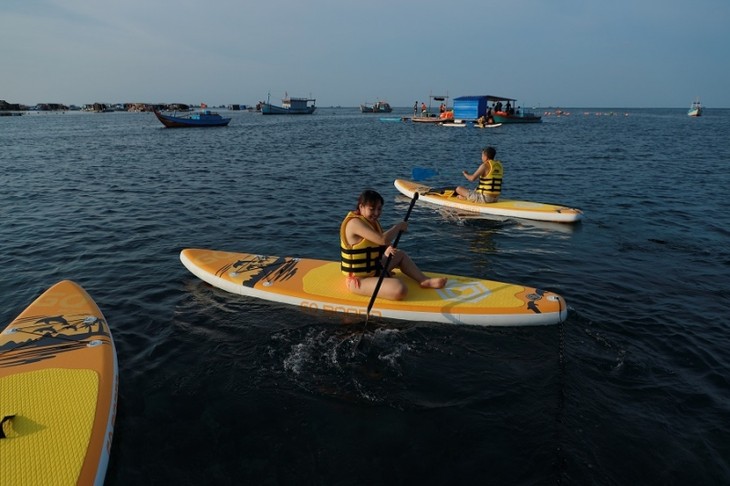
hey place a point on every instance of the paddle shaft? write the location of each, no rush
(387, 260)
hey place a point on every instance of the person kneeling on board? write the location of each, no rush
(365, 248)
(489, 173)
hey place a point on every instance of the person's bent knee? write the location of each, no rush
(400, 293)
(394, 290)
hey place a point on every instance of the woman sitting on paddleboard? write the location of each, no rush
(490, 174)
(365, 247)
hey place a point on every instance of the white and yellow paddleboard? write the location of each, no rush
(504, 207)
(58, 391)
(319, 285)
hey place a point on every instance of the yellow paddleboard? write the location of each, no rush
(58, 391)
(504, 207)
(319, 285)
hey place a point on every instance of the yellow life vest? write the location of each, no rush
(364, 258)
(491, 182)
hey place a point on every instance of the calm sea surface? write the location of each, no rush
(634, 388)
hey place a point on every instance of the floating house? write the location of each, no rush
(473, 107)
(470, 107)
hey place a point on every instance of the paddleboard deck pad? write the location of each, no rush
(511, 208)
(319, 285)
(58, 391)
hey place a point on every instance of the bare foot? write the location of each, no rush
(434, 283)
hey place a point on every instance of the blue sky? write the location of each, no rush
(568, 53)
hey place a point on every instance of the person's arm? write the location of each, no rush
(393, 232)
(358, 229)
(477, 173)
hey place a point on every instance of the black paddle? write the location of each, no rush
(385, 270)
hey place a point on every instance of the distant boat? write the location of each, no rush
(203, 118)
(377, 107)
(290, 106)
(695, 109)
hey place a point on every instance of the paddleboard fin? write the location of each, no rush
(2, 424)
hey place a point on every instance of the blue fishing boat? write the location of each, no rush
(203, 118)
(289, 106)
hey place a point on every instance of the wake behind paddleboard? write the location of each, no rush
(320, 286)
(504, 207)
(58, 391)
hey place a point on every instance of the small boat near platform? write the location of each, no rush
(519, 116)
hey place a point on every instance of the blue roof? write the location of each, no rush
(488, 97)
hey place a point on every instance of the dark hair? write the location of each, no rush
(369, 196)
(490, 151)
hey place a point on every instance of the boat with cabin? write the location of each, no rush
(289, 106)
(202, 118)
(695, 109)
(377, 107)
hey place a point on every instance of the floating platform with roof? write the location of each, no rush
(503, 109)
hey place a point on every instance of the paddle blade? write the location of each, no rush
(421, 173)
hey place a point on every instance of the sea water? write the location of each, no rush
(216, 388)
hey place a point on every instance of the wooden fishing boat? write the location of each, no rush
(203, 118)
(427, 119)
(289, 106)
(428, 114)
(377, 107)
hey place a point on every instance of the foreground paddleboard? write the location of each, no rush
(58, 391)
(319, 285)
(504, 207)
